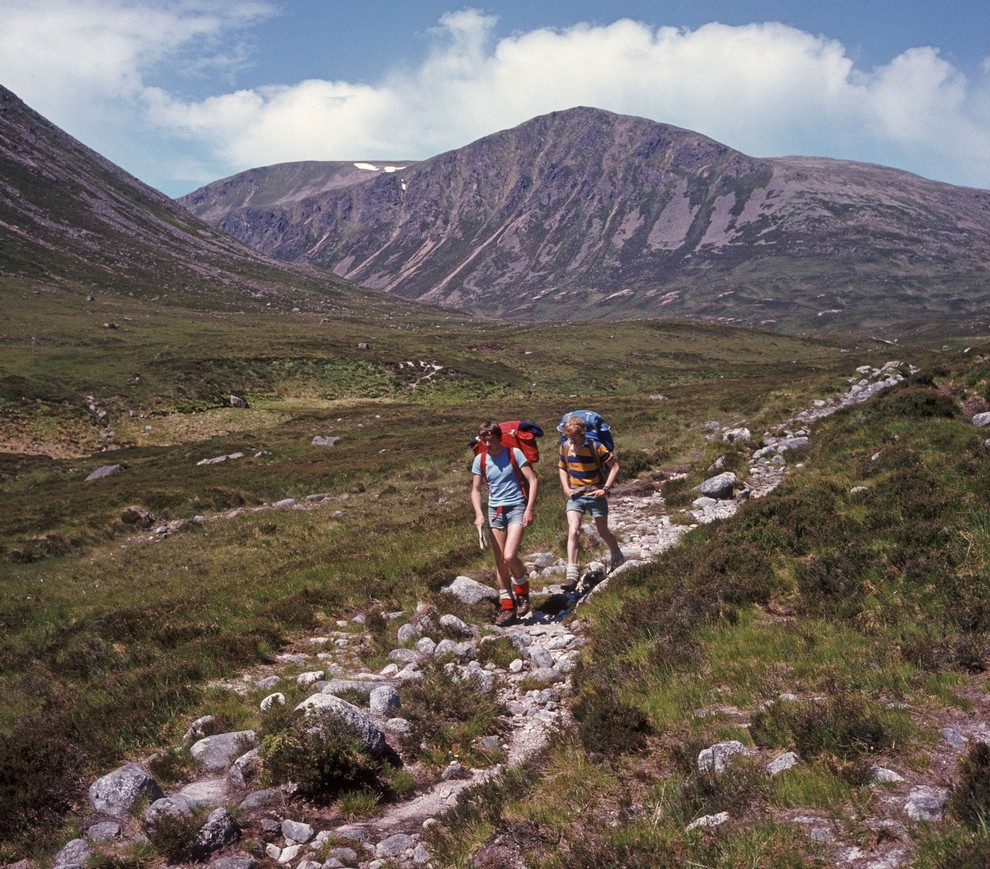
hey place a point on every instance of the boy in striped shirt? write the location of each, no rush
(587, 471)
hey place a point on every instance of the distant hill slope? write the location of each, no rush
(587, 214)
(73, 221)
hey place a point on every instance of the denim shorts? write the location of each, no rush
(587, 504)
(502, 517)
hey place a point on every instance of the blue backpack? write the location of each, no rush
(595, 427)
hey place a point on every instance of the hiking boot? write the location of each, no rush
(505, 618)
(568, 585)
(522, 605)
(617, 560)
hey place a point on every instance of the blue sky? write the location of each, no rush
(183, 92)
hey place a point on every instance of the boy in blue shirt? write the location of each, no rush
(510, 510)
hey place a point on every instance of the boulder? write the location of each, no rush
(299, 832)
(166, 808)
(394, 846)
(736, 435)
(719, 487)
(117, 792)
(75, 853)
(926, 804)
(783, 762)
(234, 862)
(455, 625)
(246, 768)
(716, 759)
(201, 727)
(328, 713)
(217, 753)
(219, 831)
(707, 821)
(470, 591)
(384, 699)
(105, 471)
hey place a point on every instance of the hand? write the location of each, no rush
(479, 520)
(527, 518)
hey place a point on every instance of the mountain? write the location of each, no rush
(75, 222)
(584, 214)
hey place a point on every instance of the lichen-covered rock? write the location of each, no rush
(217, 753)
(75, 853)
(219, 831)
(470, 591)
(117, 792)
(716, 759)
(327, 711)
(719, 487)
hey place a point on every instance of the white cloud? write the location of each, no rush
(86, 64)
(765, 89)
(63, 49)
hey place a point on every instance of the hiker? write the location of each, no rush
(509, 512)
(587, 471)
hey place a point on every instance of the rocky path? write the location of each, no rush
(272, 829)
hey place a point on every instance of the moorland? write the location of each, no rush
(859, 585)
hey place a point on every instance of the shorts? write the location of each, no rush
(501, 518)
(587, 504)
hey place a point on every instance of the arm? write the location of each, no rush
(534, 485)
(565, 482)
(479, 516)
(613, 471)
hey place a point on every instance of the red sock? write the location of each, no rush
(520, 589)
(506, 600)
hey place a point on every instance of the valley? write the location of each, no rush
(209, 456)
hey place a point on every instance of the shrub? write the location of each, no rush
(833, 579)
(918, 402)
(171, 766)
(499, 651)
(956, 847)
(173, 835)
(840, 731)
(608, 726)
(970, 798)
(323, 762)
(739, 789)
(358, 804)
(677, 492)
(447, 715)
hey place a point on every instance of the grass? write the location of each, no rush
(116, 615)
(887, 599)
(110, 637)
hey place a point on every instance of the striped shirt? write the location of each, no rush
(583, 470)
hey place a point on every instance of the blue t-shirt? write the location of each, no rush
(503, 484)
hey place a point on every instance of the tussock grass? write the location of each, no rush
(448, 716)
(886, 616)
(109, 639)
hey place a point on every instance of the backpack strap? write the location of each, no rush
(523, 482)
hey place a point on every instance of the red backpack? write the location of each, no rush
(519, 434)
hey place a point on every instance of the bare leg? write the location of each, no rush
(573, 532)
(601, 525)
(510, 551)
(498, 549)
